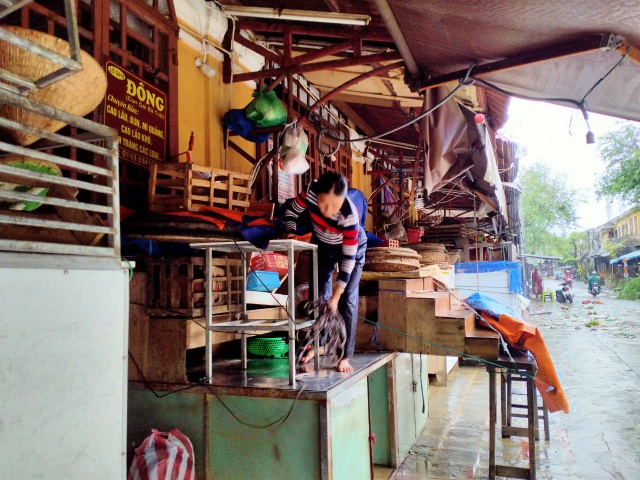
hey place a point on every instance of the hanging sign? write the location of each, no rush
(138, 111)
(286, 186)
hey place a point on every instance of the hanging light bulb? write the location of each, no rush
(591, 138)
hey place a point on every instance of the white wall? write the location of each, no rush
(63, 344)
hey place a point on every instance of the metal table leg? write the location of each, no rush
(243, 335)
(314, 272)
(291, 312)
(208, 313)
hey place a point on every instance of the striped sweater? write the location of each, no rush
(341, 229)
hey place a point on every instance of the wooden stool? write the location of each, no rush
(504, 366)
(507, 407)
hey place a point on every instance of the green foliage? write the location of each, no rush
(621, 150)
(548, 211)
(626, 245)
(575, 246)
(592, 324)
(631, 290)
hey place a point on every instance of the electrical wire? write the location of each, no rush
(325, 131)
(469, 80)
(150, 388)
(458, 353)
(290, 315)
(278, 421)
(595, 85)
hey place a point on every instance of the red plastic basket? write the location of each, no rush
(271, 262)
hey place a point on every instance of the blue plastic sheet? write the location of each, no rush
(237, 121)
(514, 269)
(484, 303)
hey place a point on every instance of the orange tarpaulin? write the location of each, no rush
(522, 335)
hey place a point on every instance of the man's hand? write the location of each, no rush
(290, 236)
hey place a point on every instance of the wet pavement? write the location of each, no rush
(596, 352)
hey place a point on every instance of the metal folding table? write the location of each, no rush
(244, 326)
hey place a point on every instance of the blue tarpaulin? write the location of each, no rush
(493, 307)
(514, 269)
(628, 256)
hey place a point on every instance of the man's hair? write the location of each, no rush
(332, 182)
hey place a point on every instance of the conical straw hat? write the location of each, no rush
(79, 93)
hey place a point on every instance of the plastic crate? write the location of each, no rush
(263, 281)
(267, 347)
(271, 262)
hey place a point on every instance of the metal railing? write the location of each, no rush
(79, 212)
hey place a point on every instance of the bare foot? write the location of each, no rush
(310, 354)
(344, 366)
(306, 368)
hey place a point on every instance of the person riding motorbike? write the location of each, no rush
(568, 278)
(593, 279)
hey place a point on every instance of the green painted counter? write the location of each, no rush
(326, 435)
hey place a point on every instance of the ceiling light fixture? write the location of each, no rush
(297, 15)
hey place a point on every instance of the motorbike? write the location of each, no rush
(595, 290)
(565, 294)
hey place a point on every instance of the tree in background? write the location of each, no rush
(574, 247)
(620, 149)
(548, 211)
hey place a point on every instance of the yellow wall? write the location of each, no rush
(363, 183)
(628, 221)
(202, 102)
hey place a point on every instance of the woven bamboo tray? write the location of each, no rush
(433, 257)
(390, 252)
(393, 265)
(78, 94)
(432, 247)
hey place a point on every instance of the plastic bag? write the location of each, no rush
(164, 455)
(266, 110)
(293, 150)
(236, 120)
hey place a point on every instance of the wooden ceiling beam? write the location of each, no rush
(316, 66)
(259, 49)
(352, 115)
(368, 34)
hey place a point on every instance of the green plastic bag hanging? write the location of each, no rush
(266, 110)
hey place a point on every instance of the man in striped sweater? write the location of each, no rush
(341, 240)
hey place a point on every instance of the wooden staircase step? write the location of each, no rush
(441, 299)
(482, 342)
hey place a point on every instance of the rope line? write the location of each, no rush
(453, 350)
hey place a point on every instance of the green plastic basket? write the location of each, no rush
(267, 347)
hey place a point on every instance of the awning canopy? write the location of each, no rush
(446, 37)
(628, 256)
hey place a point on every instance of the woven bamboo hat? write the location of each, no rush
(79, 93)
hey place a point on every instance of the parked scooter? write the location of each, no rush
(595, 289)
(565, 294)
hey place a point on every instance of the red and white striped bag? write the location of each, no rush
(164, 456)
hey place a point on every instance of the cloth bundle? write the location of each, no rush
(331, 332)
